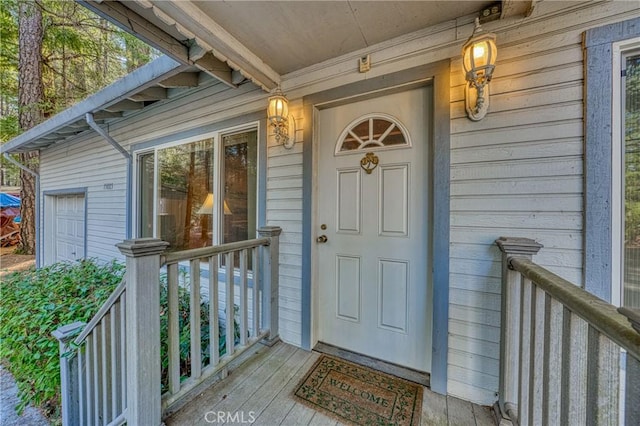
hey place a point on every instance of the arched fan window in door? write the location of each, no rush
(373, 132)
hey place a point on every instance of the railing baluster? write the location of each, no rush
(105, 354)
(115, 363)
(244, 309)
(632, 391)
(229, 305)
(194, 301)
(82, 399)
(574, 370)
(526, 331)
(256, 291)
(123, 349)
(97, 384)
(89, 378)
(602, 385)
(214, 331)
(552, 361)
(537, 357)
(173, 335)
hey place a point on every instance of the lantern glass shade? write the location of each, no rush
(207, 206)
(479, 54)
(278, 109)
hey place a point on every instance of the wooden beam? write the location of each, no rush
(150, 94)
(212, 66)
(130, 21)
(183, 80)
(72, 130)
(103, 115)
(222, 44)
(125, 105)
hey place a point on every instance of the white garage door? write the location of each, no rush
(69, 237)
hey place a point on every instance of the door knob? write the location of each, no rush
(322, 239)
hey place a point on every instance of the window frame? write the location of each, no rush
(600, 130)
(218, 149)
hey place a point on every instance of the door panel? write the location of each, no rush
(373, 198)
(69, 227)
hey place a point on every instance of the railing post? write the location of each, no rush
(143, 329)
(69, 380)
(271, 274)
(510, 321)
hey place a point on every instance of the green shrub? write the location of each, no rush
(35, 303)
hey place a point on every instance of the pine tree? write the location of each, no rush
(30, 99)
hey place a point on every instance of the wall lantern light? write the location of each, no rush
(478, 59)
(284, 125)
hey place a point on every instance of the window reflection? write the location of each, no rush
(631, 265)
(185, 176)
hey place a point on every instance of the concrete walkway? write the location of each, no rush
(8, 401)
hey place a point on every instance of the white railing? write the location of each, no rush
(224, 301)
(111, 373)
(93, 365)
(561, 349)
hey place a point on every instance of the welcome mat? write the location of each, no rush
(359, 395)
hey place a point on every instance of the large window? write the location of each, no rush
(199, 193)
(631, 179)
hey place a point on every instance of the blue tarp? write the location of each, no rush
(7, 200)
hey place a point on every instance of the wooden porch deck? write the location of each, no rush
(259, 392)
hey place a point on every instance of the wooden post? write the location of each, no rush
(270, 277)
(69, 380)
(143, 329)
(510, 321)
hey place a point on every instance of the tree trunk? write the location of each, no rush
(30, 97)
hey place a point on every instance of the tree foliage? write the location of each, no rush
(81, 54)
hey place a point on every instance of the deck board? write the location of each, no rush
(261, 391)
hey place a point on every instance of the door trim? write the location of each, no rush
(437, 75)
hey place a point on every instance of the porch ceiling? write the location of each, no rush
(264, 40)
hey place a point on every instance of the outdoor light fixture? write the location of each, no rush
(478, 59)
(284, 125)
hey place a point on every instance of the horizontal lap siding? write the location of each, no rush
(518, 172)
(284, 209)
(89, 161)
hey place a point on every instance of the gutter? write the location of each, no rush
(99, 130)
(36, 207)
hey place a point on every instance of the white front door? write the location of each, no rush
(69, 227)
(374, 291)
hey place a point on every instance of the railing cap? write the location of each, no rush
(269, 231)
(633, 315)
(67, 332)
(518, 245)
(142, 247)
